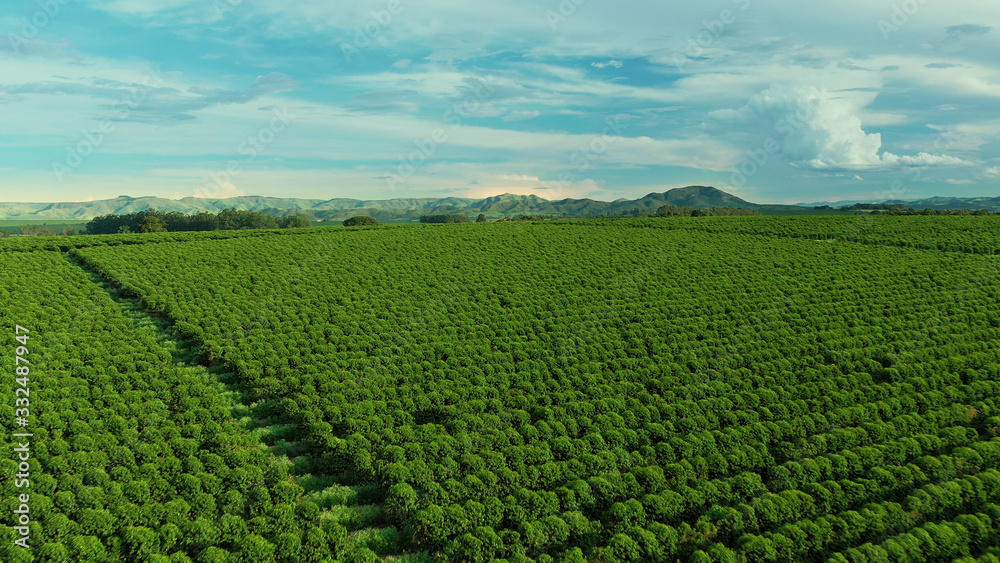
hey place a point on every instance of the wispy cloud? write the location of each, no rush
(521, 115)
(881, 105)
(611, 63)
(968, 29)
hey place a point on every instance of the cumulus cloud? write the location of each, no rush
(823, 131)
(993, 172)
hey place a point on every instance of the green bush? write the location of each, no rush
(360, 221)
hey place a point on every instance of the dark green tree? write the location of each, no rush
(295, 222)
(360, 221)
(444, 218)
(152, 224)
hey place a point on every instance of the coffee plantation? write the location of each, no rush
(663, 389)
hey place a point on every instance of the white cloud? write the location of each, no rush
(17, 45)
(922, 159)
(876, 118)
(521, 115)
(993, 172)
(144, 7)
(402, 63)
(822, 131)
(983, 127)
(612, 63)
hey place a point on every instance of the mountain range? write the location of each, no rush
(410, 209)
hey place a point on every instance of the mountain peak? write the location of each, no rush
(703, 197)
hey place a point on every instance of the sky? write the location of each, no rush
(774, 101)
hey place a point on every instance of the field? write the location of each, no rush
(691, 389)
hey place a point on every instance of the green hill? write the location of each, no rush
(399, 209)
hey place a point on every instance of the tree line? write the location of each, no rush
(899, 209)
(685, 211)
(154, 221)
(445, 218)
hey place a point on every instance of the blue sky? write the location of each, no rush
(774, 101)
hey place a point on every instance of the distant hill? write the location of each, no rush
(410, 209)
(87, 210)
(705, 197)
(943, 203)
(399, 209)
(991, 203)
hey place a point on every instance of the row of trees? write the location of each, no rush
(936, 212)
(879, 528)
(615, 393)
(679, 211)
(133, 456)
(43, 230)
(445, 218)
(973, 234)
(682, 211)
(900, 209)
(153, 221)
